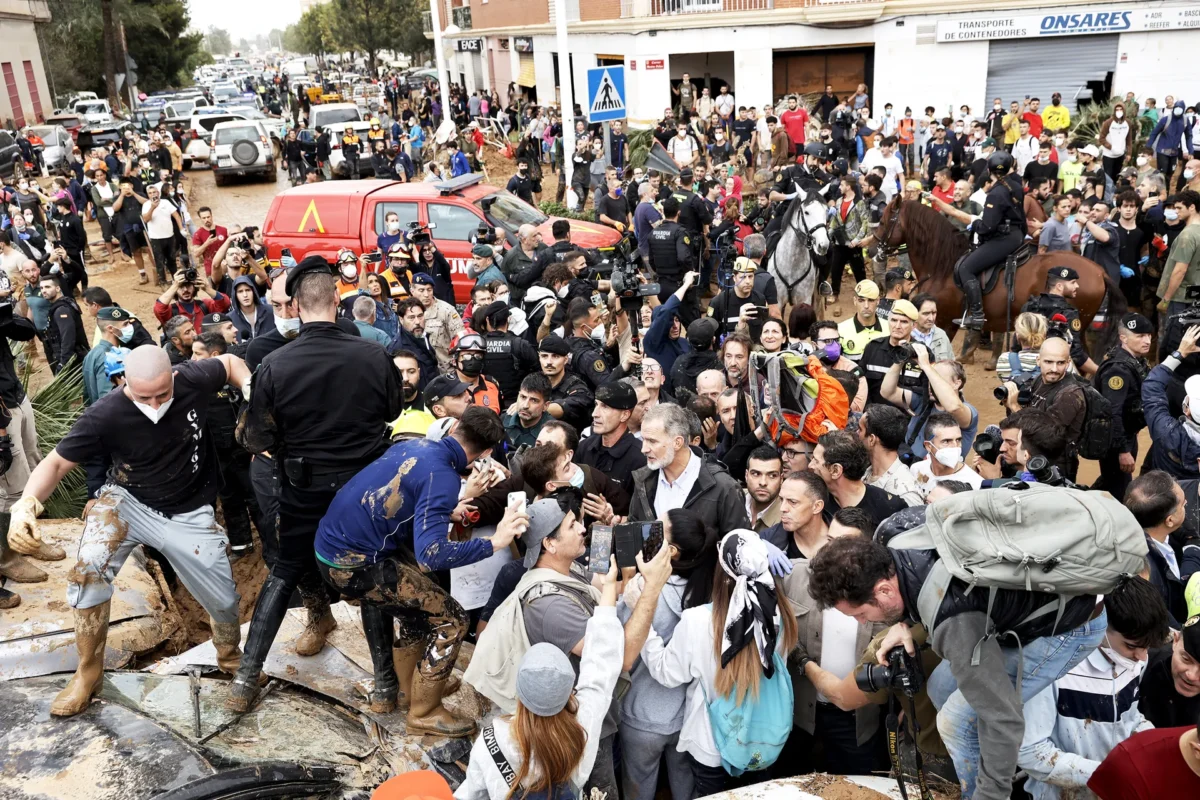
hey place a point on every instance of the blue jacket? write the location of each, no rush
(403, 497)
(1174, 451)
(459, 164)
(1170, 130)
(658, 343)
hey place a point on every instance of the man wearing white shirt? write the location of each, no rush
(725, 104)
(161, 216)
(763, 136)
(885, 156)
(1025, 149)
(675, 476)
(683, 147)
(944, 462)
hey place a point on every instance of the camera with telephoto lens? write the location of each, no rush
(484, 234)
(1174, 330)
(987, 444)
(902, 673)
(190, 275)
(1046, 473)
(1024, 383)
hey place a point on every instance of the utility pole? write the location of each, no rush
(566, 91)
(110, 61)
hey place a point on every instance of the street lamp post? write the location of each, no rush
(440, 58)
(566, 90)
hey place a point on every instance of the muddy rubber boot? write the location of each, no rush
(48, 551)
(269, 612)
(91, 633)
(380, 631)
(406, 660)
(226, 638)
(9, 599)
(320, 624)
(426, 714)
(16, 567)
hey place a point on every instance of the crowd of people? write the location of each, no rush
(698, 538)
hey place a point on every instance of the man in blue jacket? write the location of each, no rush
(664, 340)
(459, 165)
(1176, 448)
(385, 531)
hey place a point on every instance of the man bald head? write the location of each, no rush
(1054, 359)
(148, 378)
(710, 384)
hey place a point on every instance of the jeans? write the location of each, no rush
(642, 755)
(841, 256)
(1042, 662)
(706, 780)
(604, 774)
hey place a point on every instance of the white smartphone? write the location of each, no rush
(517, 500)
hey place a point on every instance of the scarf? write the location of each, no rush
(1191, 428)
(751, 613)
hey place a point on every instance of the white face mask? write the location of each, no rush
(996, 107)
(350, 272)
(1118, 114)
(1178, 112)
(949, 457)
(1120, 661)
(154, 414)
(1142, 161)
(562, 292)
(1171, 214)
(288, 328)
(393, 226)
(1072, 158)
(1059, 141)
(577, 478)
(598, 333)
(1188, 174)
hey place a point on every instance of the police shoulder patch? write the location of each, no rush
(599, 365)
(687, 240)
(1116, 382)
(1075, 324)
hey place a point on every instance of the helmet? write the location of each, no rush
(398, 250)
(1000, 161)
(346, 256)
(815, 149)
(114, 361)
(467, 341)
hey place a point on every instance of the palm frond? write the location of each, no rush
(1085, 126)
(56, 407)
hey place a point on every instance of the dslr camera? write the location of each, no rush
(190, 275)
(902, 673)
(1024, 383)
(904, 353)
(485, 234)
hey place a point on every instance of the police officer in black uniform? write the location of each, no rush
(694, 217)
(508, 358)
(570, 399)
(1062, 284)
(298, 412)
(672, 256)
(1000, 230)
(1120, 380)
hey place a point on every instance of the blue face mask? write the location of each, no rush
(577, 478)
(126, 334)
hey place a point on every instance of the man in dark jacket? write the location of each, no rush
(71, 236)
(980, 710)
(691, 481)
(411, 337)
(701, 355)
(611, 448)
(664, 340)
(1159, 505)
(65, 334)
(1169, 692)
(570, 399)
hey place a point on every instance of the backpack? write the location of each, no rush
(750, 736)
(1068, 542)
(1096, 436)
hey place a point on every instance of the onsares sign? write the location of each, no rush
(1087, 20)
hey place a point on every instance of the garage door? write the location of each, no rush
(810, 72)
(1020, 68)
(526, 76)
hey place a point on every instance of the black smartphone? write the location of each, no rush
(286, 253)
(632, 538)
(762, 313)
(374, 258)
(601, 550)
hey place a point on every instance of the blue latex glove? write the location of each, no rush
(1126, 272)
(781, 565)
(1144, 260)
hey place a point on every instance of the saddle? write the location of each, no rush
(991, 276)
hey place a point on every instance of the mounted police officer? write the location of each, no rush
(794, 178)
(1062, 284)
(671, 257)
(1120, 379)
(1000, 231)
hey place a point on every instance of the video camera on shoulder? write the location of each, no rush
(1176, 326)
(903, 673)
(626, 279)
(485, 234)
(419, 233)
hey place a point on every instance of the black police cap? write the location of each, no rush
(311, 265)
(1136, 323)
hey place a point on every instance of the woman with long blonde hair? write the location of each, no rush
(546, 750)
(724, 649)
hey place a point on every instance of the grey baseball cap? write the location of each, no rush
(545, 680)
(544, 518)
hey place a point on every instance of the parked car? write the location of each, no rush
(94, 111)
(99, 135)
(72, 123)
(333, 116)
(56, 144)
(322, 218)
(197, 133)
(241, 147)
(8, 149)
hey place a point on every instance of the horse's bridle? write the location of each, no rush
(802, 231)
(883, 250)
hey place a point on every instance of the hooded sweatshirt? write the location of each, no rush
(264, 318)
(1170, 131)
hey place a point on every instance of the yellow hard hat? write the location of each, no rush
(412, 424)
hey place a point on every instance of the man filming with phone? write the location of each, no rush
(742, 305)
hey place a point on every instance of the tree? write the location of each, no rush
(217, 41)
(369, 25)
(310, 34)
(110, 60)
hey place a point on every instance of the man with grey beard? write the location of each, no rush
(676, 476)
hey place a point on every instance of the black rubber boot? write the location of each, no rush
(974, 319)
(269, 612)
(380, 629)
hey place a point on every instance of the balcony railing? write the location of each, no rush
(657, 8)
(461, 17)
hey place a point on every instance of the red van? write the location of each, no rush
(323, 218)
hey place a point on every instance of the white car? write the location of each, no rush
(337, 160)
(241, 147)
(197, 134)
(57, 144)
(333, 116)
(94, 111)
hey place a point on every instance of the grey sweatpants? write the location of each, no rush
(193, 543)
(641, 755)
(26, 454)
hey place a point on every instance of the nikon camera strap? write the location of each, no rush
(893, 742)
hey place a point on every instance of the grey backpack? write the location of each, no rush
(1067, 542)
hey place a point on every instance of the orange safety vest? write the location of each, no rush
(487, 394)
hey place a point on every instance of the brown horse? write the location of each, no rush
(934, 247)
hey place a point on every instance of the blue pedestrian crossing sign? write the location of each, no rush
(606, 94)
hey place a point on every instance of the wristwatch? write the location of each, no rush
(1178, 356)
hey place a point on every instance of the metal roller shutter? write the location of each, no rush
(526, 76)
(1041, 67)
